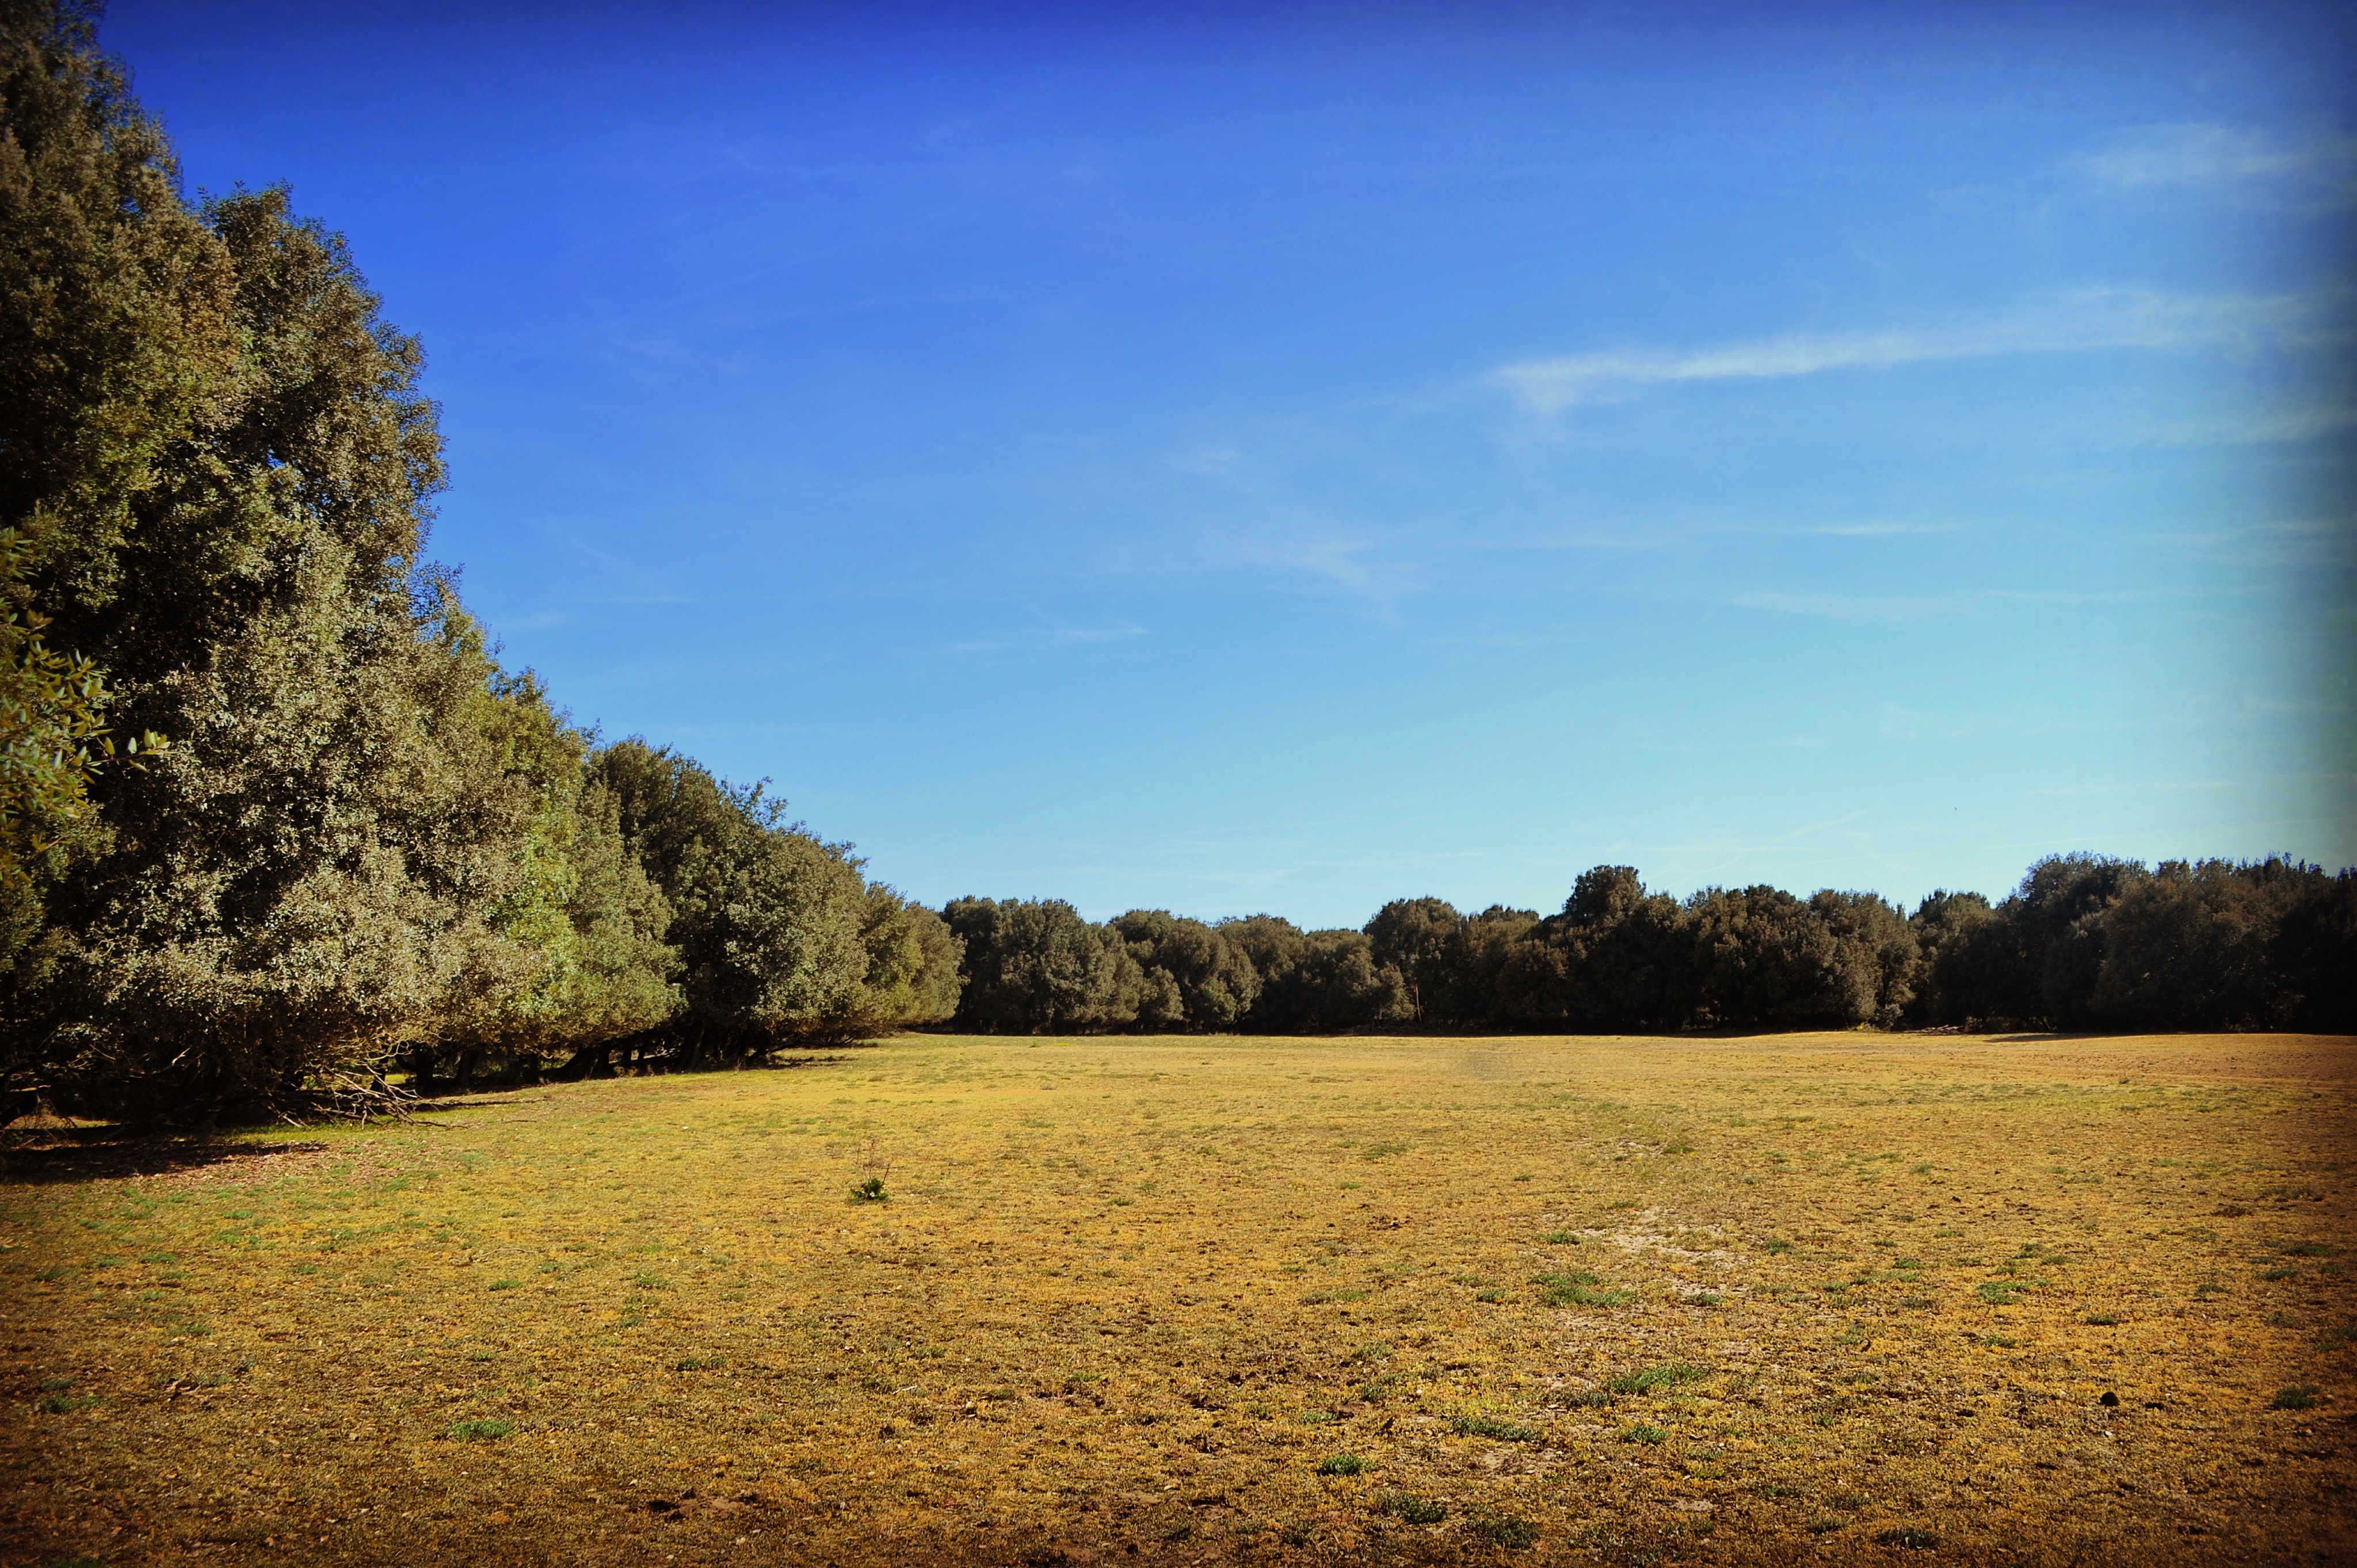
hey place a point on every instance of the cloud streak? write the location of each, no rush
(2084, 322)
(2210, 153)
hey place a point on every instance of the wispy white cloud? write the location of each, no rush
(1882, 530)
(2210, 153)
(1883, 608)
(1048, 634)
(2081, 321)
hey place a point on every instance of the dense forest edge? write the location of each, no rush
(275, 822)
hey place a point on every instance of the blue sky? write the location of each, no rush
(1287, 457)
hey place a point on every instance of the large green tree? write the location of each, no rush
(221, 462)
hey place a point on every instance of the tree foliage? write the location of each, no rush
(362, 838)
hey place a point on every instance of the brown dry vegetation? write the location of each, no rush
(1127, 1295)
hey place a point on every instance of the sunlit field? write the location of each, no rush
(1829, 1298)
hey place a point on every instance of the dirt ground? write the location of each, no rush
(1812, 1298)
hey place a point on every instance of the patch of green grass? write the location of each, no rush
(699, 1364)
(1409, 1509)
(1381, 1151)
(67, 1404)
(870, 1189)
(2103, 1319)
(503, 1285)
(1492, 1427)
(1651, 1437)
(488, 1429)
(1508, 1531)
(1341, 1465)
(1999, 1292)
(1776, 1244)
(1579, 1289)
(1489, 1296)
(2299, 1396)
(1561, 1238)
(1652, 1379)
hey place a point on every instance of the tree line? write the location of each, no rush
(272, 814)
(275, 821)
(2086, 942)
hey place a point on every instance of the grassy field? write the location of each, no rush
(1831, 1297)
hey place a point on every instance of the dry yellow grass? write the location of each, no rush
(1127, 1295)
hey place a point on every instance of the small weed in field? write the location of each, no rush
(1825, 1524)
(1502, 1530)
(2308, 1249)
(648, 1280)
(1341, 1465)
(1409, 1509)
(1374, 1390)
(159, 1258)
(1652, 1379)
(1703, 1298)
(1491, 1427)
(1910, 1537)
(503, 1285)
(869, 1189)
(2000, 1293)
(1578, 1288)
(2103, 1319)
(1916, 1303)
(1776, 1244)
(1651, 1437)
(1854, 1334)
(2336, 1339)
(2282, 1272)
(2299, 1396)
(488, 1430)
(67, 1404)
(1561, 1239)
(2209, 1288)
(1381, 1151)
(1489, 1296)
(2000, 1342)
(1624, 1203)
(1374, 1352)
(701, 1364)
(1595, 1399)
(1319, 1418)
